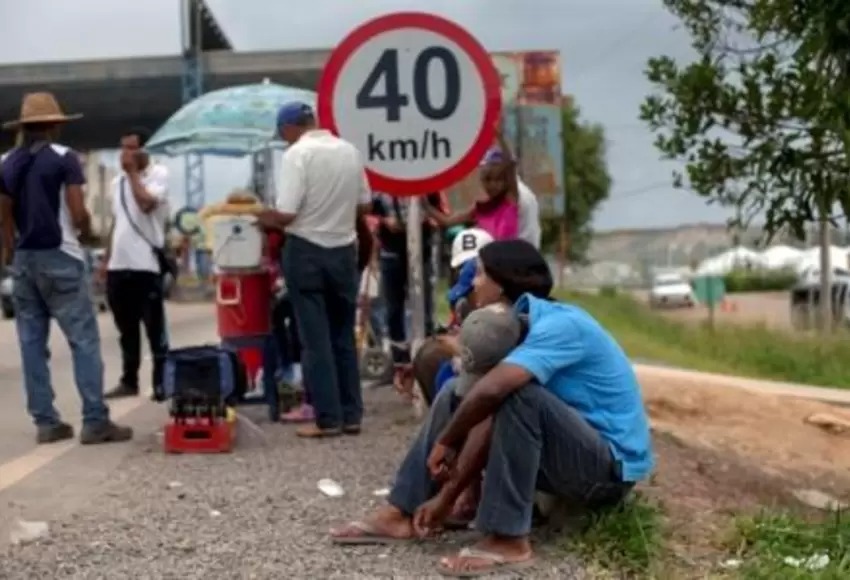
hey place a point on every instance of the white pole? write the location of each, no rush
(415, 278)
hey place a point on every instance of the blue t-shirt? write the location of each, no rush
(465, 278)
(571, 355)
(36, 182)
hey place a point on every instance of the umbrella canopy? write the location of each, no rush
(232, 122)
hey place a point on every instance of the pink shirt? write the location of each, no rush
(501, 222)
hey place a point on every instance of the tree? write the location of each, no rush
(762, 117)
(586, 184)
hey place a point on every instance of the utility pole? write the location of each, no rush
(193, 87)
(825, 303)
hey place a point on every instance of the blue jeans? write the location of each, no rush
(394, 290)
(322, 285)
(538, 443)
(52, 284)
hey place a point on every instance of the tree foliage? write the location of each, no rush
(587, 183)
(762, 116)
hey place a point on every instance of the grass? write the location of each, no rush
(762, 543)
(628, 539)
(753, 351)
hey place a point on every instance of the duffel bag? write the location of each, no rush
(204, 373)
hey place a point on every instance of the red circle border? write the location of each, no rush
(480, 58)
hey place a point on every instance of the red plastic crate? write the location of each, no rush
(199, 435)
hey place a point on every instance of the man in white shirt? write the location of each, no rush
(529, 215)
(134, 277)
(323, 191)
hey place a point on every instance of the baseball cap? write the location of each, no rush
(493, 156)
(294, 113)
(487, 336)
(466, 245)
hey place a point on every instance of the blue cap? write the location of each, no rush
(465, 278)
(493, 156)
(294, 113)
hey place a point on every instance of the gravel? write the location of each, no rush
(255, 513)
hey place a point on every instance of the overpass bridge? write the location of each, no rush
(116, 94)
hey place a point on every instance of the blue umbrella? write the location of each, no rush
(232, 122)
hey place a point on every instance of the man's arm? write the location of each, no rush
(471, 461)
(148, 198)
(364, 197)
(553, 344)
(74, 195)
(8, 226)
(291, 192)
(483, 400)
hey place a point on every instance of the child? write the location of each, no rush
(432, 366)
(497, 210)
(465, 249)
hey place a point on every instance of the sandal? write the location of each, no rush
(316, 432)
(301, 414)
(360, 533)
(459, 566)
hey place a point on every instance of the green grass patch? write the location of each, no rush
(627, 539)
(754, 351)
(762, 544)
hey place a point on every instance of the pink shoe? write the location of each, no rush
(300, 414)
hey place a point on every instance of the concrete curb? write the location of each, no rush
(821, 394)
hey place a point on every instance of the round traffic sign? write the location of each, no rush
(417, 95)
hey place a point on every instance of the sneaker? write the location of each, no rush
(54, 433)
(122, 391)
(107, 432)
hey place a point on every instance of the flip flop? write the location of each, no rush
(367, 534)
(497, 563)
(316, 432)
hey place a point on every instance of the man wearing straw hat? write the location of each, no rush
(43, 197)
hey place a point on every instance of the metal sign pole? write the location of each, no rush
(415, 275)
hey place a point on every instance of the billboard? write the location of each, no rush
(531, 97)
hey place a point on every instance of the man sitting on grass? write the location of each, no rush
(562, 413)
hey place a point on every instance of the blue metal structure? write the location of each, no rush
(200, 33)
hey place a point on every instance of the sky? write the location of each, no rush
(604, 46)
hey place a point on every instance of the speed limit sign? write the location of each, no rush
(417, 95)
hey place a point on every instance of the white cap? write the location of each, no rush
(466, 245)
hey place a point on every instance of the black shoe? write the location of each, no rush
(107, 432)
(54, 433)
(122, 391)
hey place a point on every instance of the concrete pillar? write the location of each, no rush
(98, 200)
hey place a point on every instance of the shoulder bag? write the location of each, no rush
(166, 264)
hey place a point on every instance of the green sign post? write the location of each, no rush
(709, 290)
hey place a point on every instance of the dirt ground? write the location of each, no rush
(768, 308)
(722, 452)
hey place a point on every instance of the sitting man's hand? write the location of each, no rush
(441, 462)
(431, 515)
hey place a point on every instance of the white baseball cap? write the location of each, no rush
(466, 245)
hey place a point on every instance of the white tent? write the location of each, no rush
(838, 258)
(736, 258)
(778, 257)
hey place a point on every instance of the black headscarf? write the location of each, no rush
(518, 267)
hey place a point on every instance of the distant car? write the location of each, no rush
(670, 290)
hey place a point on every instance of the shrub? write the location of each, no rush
(759, 280)
(753, 351)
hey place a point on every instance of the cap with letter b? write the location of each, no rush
(466, 245)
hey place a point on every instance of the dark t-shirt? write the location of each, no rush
(384, 205)
(35, 178)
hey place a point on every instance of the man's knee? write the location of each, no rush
(519, 408)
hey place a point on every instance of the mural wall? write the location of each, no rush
(531, 97)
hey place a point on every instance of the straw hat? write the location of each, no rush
(40, 108)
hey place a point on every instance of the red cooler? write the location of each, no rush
(243, 288)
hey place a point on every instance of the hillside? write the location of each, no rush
(682, 245)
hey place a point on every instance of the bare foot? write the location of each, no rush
(385, 525)
(490, 554)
